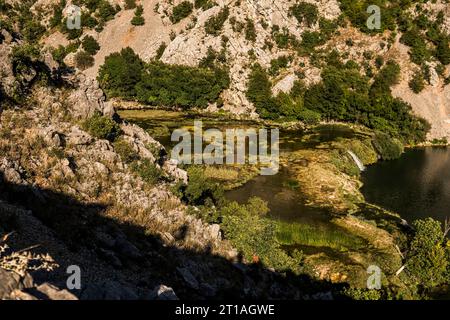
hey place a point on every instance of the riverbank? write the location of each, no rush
(329, 179)
(351, 234)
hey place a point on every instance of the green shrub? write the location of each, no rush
(138, 19)
(250, 30)
(71, 33)
(61, 52)
(83, 60)
(204, 4)
(356, 11)
(287, 106)
(305, 13)
(428, 254)
(105, 11)
(379, 61)
(102, 127)
(388, 148)
(443, 51)
(361, 294)
(209, 60)
(310, 40)
(277, 64)
(200, 190)
(148, 171)
(419, 52)
(309, 117)
(181, 11)
(88, 21)
(385, 79)
(160, 51)
(130, 4)
(417, 83)
(215, 24)
(255, 236)
(125, 150)
(282, 38)
(90, 45)
(57, 14)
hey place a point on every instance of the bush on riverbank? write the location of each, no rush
(126, 76)
(429, 255)
(342, 95)
(256, 236)
(388, 148)
(244, 225)
(181, 86)
(120, 73)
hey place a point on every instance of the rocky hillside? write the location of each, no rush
(243, 33)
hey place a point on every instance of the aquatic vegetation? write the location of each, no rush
(317, 236)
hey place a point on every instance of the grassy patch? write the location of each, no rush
(231, 177)
(316, 236)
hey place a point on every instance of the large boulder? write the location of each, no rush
(88, 98)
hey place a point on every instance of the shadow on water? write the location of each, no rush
(417, 185)
(282, 195)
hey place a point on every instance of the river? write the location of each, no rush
(417, 185)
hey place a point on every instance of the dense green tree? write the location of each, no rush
(259, 92)
(120, 73)
(125, 75)
(90, 45)
(183, 86)
(83, 60)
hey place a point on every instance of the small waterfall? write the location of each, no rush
(357, 161)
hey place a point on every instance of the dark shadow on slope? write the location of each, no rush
(120, 261)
